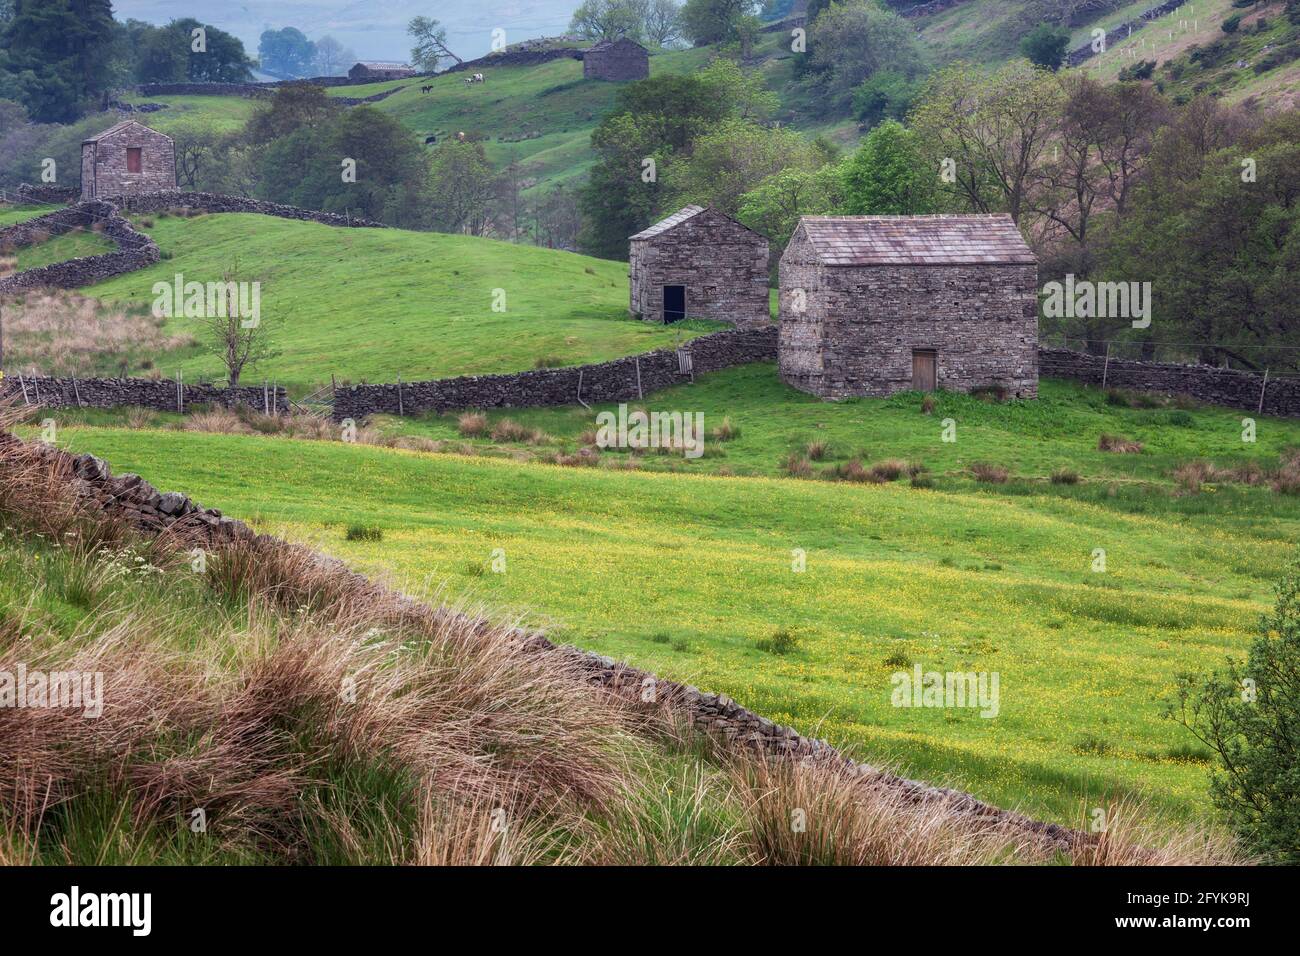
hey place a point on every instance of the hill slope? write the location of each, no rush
(373, 304)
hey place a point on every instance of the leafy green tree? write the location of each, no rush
(775, 205)
(1249, 716)
(889, 176)
(714, 21)
(464, 186)
(292, 107)
(852, 41)
(1045, 46)
(727, 161)
(56, 56)
(885, 95)
(286, 51)
(610, 19)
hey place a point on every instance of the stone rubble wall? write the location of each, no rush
(215, 203)
(613, 381)
(159, 395)
(1204, 383)
(135, 250)
(45, 193)
(130, 498)
(1121, 32)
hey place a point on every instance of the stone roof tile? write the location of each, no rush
(916, 240)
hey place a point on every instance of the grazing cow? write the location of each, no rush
(425, 89)
(476, 78)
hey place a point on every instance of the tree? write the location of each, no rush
(56, 56)
(223, 59)
(286, 51)
(888, 175)
(237, 342)
(663, 22)
(430, 44)
(988, 133)
(332, 57)
(775, 205)
(887, 94)
(1045, 46)
(557, 219)
(727, 161)
(850, 42)
(292, 107)
(1249, 716)
(463, 187)
(714, 21)
(610, 19)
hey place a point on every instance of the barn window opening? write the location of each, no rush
(924, 373)
(133, 159)
(674, 303)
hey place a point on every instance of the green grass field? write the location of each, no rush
(70, 245)
(689, 574)
(420, 307)
(10, 214)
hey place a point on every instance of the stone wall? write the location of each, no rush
(214, 203)
(160, 395)
(619, 61)
(729, 725)
(1121, 32)
(723, 266)
(514, 57)
(47, 194)
(858, 326)
(615, 381)
(1205, 383)
(135, 250)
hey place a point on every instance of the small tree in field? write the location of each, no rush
(1045, 46)
(1249, 715)
(238, 340)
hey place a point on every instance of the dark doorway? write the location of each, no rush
(924, 377)
(133, 157)
(674, 303)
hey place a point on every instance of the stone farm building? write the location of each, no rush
(700, 263)
(619, 60)
(872, 305)
(373, 71)
(125, 160)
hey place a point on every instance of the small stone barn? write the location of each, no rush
(618, 60)
(700, 263)
(375, 71)
(872, 305)
(126, 160)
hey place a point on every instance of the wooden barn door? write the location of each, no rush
(674, 303)
(924, 376)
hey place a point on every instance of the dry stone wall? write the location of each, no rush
(625, 379)
(215, 203)
(161, 395)
(134, 250)
(1205, 383)
(130, 498)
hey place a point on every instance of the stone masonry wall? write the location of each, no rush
(731, 726)
(214, 203)
(614, 381)
(618, 62)
(723, 266)
(105, 159)
(1205, 383)
(861, 326)
(135, 250)
(160, 395)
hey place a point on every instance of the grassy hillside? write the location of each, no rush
(70, 245)
(369, 304)
(691, 576)
(11, 213)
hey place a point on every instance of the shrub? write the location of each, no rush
(1249, 716)
(989, 473)
(1231, 24)
(797, 466)
(364, 532)
(781, 642)
(818, 449)
(1118, 444)
(850, 470)
(927, 405)
(891, 469)
(472, 424)
(726, 431)
(509, 430)
(1065, 476)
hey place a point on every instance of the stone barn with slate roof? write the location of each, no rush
(619, 60)
(872, 305)
(127, 159)
(375, 71)
(702, 264)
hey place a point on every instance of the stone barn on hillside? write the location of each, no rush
(872, 305)
(126, 160)
(618, 60)
(375, 71)
(700, 263)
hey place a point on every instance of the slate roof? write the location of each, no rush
(118, 127)
(663, 225)
(619, 41)
(383, 65)
(916, 240)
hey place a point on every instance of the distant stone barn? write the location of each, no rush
(619, 60)
(872, 305)
(375, 71)
(702, 264)
(126, 160)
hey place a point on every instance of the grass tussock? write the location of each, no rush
(1118, 444)
(989, 473)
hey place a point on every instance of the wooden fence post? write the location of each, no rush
(1105, 369)
(1263, 386)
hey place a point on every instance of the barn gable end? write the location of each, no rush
(126, 160)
